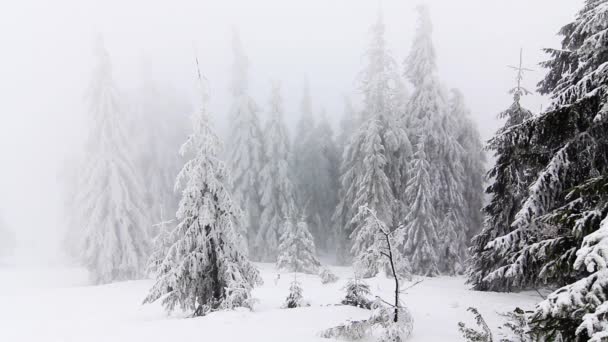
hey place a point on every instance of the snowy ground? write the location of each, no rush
(54, 304)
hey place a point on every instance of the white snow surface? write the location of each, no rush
(55, 304)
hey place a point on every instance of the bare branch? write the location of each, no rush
(385, 302)
(414, 284)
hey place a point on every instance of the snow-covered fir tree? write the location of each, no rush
(473, 160)
(436, 177)
(276, 189)
(304, 163)
(348, 127)
(367, 173)
(325, 184)
(327, 276)
(303, 151)
(366, 184)
(113, 236)
(558, 236)
(382, 92)
(246, 146)
(358, 293)
(511, 176)
(295, 299)
(566, 210)
(420, 234)
(297, 252)
(205, 269)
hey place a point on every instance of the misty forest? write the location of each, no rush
(242, 216)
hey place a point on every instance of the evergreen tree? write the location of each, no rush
(367, 175)
(474, 160)
(246, 150)
(325, 184)
(303, 150)
(453, 244)
(382, 91)
(436, 182)
(511, 177)
(113, 238)
(295, 298)
(297, 248)
(205, 268)
(559, 235)
(461, 171)
(304, 164)
(358, 294)
(571, 193)
(276, 189)
(367, 185)
(327, 276)
(420, 238)
(348, 128)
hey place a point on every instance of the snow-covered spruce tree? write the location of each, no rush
(357, 293)
(452, 208)
(368, 172)
(367, 185)
(511, 176)
(348, 128)
(304, 164)
(113, 238)
(382, 91)
(303, 151)
(297, 251)
(246, 147)
(327, 276)
(420, 237)
(276, 188)
(437, 166)
(561, 232)
(205, 268)
(326, 182)
(295, 298)
(474, 160)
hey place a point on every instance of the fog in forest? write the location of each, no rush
(46, 63)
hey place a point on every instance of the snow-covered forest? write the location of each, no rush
(249, 204)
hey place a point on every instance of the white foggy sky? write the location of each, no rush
(45, 59)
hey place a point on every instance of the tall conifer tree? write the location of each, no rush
(366, 178)
(276, 189)
(113, 235)
(511, 177)
(205, 269)
(246, 146)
